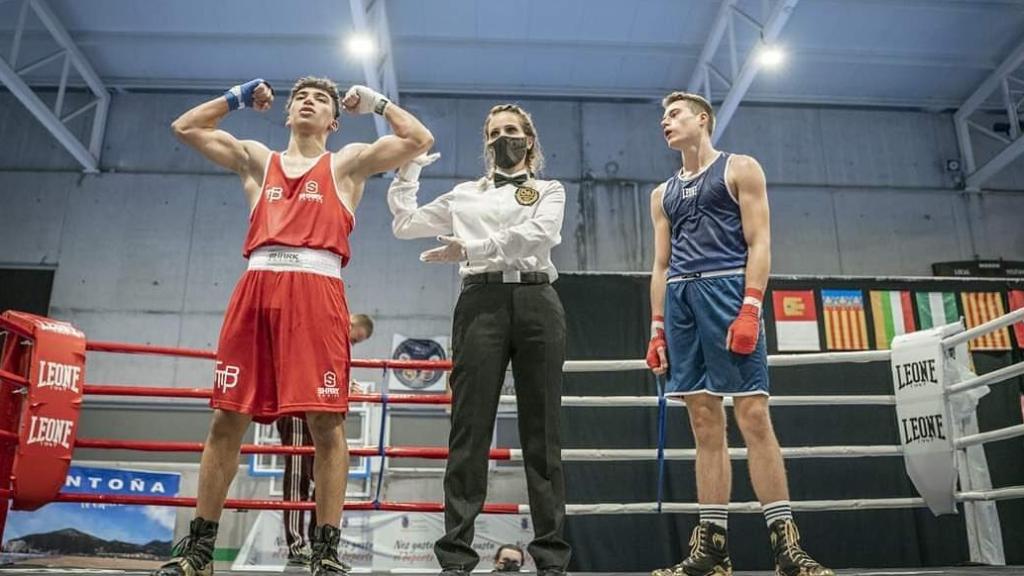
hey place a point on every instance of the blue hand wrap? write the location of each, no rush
(240, 96)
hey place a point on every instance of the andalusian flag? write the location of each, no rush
(893, 314)
(845, 324)
(936, 309)
(980, 307)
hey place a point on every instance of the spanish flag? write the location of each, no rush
(845, 323)
(980, 307)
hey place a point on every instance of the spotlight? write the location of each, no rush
(360, 45)
(771, 56)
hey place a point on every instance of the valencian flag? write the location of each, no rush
(893, 314)
(845, 323)
(796, 320)
(936, 309)
(980, 307)
(1016, 303)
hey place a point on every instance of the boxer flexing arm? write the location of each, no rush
(198, 128)
(356, 162)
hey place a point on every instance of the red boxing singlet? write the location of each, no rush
(304, 211)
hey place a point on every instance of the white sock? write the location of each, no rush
(716, 514)
(774, 511)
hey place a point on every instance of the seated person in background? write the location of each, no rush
(508, 558)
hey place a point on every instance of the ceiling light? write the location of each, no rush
(360, 45)
(771, 56)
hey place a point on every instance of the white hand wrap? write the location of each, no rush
(369, 100)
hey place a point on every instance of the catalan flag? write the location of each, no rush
(936, 309)
(796, 320)
(845, 323)
(893, 314)
(980, 307)
(1017, 302)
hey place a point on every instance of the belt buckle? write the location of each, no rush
(511, 276)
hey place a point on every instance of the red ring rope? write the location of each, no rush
(124, 348)
(426, 452)
(167, 392)
(240, 504)
(6, 376)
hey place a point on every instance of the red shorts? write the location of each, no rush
(284, 346)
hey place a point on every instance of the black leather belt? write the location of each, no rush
(513, 277)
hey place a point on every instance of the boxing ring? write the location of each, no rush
(24, 346)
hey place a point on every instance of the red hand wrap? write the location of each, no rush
(657, 341)
(744, 331)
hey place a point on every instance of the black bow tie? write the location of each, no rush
(517, 180)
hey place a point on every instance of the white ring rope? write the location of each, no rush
(652, 401)
(604, 365)
(806, 359)
(1008, 493)
(982, 329)
(651, 454)
(994, 377)
(992, 436)
(829, 358)
(806, 505)
(773, 360)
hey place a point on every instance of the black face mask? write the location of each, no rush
(507, 565)
(508, 151)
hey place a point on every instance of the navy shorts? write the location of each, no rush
(698, 313)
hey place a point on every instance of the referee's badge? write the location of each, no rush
(527, 196)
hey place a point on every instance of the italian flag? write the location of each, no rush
(936, 308)
(893, 313)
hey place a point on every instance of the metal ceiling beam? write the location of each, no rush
(740, 82)
(597, 93)
(707, 53)
(370, 17)
(1004, 158)
(996, 84)
(53, 119)
(119, 40)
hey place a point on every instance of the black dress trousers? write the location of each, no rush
(494, 324)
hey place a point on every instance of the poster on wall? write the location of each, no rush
(418, 380)
(100, 530)
(376, 541)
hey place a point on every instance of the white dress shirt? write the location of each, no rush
(505, 229)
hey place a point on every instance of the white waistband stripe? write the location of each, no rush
(292, 259)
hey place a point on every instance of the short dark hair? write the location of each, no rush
(325, 84)
(695, 103)
(514, 548)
